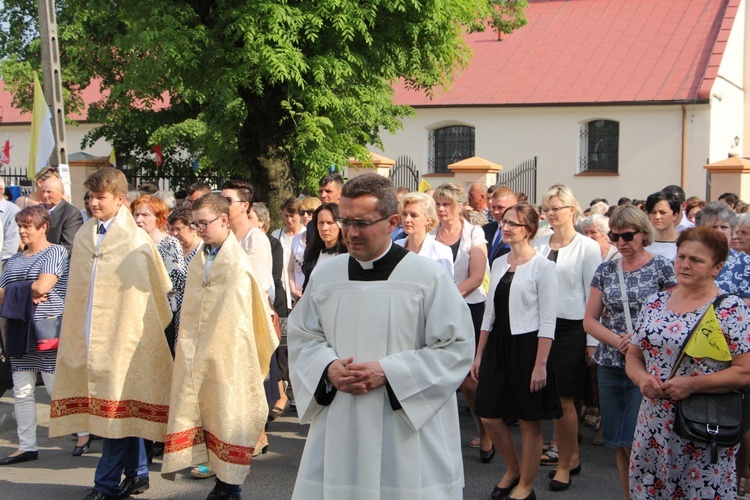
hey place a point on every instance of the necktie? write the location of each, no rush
(497, 243)
(102, 229)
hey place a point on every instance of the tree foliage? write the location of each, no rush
(278, 91)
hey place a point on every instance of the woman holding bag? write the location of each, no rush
(44, 269)
(663, 464)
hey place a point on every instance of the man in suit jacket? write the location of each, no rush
(66, 219)
(502, 199)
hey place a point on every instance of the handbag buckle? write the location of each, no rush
(712, 429)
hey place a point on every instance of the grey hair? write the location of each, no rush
(599, 208)
(716, 210)
(599, 221)
(168, 198)
(743, 220)
(261, 210)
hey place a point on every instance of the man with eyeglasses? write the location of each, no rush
(501, 200)
(239, 195)
(378, 345)
(218, 406)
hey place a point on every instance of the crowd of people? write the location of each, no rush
(550, 312)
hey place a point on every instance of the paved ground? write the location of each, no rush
(58, 475)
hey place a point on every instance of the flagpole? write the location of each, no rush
(52, 79)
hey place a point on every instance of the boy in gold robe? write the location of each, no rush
(218, 407)
(114, 367)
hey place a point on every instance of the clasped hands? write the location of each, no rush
(356, 378)
(676, 388)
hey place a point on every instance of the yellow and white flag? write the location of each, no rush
(42, 137)
(113, 157)
(708, 339)
(423, 186)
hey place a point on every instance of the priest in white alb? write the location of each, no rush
(378, 345)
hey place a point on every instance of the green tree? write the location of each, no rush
(278, 91)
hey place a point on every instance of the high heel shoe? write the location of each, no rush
(487, 456)
(80, 450)
(261, 450)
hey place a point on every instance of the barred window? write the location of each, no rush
(600, 146)
(449, 145)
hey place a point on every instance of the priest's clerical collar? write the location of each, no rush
(378, 269)
(370, 264)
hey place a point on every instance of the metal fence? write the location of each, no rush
(405, 174)
(521, 179)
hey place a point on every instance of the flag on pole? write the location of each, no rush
(42, 137)
(708, 340)
(423, 186)
(158, 158)
(5, 158)
(113, 157)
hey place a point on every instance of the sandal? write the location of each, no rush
(549, 445)
(201, 472)
(278, 411)
(549, 457)
(475, 443)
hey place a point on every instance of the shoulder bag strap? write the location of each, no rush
(624, 298)
(681, 355)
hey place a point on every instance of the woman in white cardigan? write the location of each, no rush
(577, 259)
(510, 366)
(418, 217)
(469, 249)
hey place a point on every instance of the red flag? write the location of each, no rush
(5, 158)
(158, 158)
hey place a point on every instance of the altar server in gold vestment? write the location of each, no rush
(114, 367)
(218, 406)
(378, 345)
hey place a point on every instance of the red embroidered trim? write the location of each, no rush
(108, 408)
(229, 453)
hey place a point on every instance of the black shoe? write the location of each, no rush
(219, 494)
(499, 492)
(80, 450)
(132, 486)
(158, 449)
(487, 456)
(556, 485)
(573, 472)
(98, 495)
(26, 456)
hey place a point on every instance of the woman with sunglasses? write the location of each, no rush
(306, 209)
(606, 319)
(577, 258)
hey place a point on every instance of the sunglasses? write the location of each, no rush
(306, 212)
(628, 236)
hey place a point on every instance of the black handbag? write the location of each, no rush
(712, 419)
(47, 332)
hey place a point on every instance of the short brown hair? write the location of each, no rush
(215, 202)
(626, 216)
(157, 205)
(528, 216)
(184, 215)
(290, 205)
(502, 192)
(108, 180)
(35, 215)
(714, 240)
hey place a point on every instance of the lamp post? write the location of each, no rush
(51, 78)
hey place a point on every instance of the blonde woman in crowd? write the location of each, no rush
(469, 250)
(306, 210)
(577, 258)
(418, 218)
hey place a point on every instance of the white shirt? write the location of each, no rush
(471, 236)
(433, 249)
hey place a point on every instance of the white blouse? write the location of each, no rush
(433, 249)
(470, 236)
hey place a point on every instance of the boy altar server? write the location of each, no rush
(378, 345)
(114, 368)
(226, 340)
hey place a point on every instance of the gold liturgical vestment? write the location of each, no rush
(121, 388)
(218, 406)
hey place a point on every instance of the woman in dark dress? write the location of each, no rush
(513, 353)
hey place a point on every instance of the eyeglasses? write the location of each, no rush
(554, 210)
(201, 226)
(511, 224)
(627, 236)
(302, 213)
(230, 201)
(359, 225)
